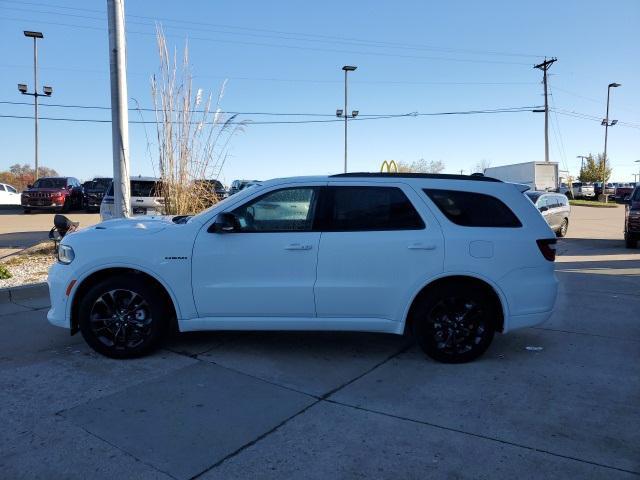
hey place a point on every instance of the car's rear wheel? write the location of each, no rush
(562, 231)
(630, 241)
(455, 323)
(122, 317)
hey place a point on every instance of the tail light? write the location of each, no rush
(547, 247)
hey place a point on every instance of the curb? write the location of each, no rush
(23, 292)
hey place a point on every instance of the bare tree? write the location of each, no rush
(421, 166)
(482, 165)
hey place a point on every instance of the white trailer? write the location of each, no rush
(538, 175)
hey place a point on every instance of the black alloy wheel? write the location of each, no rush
(455, 325)
(122, 318)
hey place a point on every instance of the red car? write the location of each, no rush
(632, 220)
(59, 194)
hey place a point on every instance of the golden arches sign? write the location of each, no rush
(389, 166)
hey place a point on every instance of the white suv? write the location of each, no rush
(450, 259)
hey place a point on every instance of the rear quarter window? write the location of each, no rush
(471, 209)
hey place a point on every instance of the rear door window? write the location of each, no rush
(471, 209)
(144, 188)
(363, 208)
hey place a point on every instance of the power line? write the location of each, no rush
(244, 29)
(594, 118)
(146, 109)
(283, 122)
(556, 127)
(271, 45)
(293, 80)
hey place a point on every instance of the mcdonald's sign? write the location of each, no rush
(389, 167)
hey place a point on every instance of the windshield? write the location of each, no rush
(102, 183)
(144, 188)
(533, 196)
(50, 183)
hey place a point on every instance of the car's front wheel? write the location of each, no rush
(123, 317)
(455, 323)
(630, 241)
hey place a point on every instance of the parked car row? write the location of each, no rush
(61, 194)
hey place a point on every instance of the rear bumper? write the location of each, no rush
(529, 320)
(530, 294)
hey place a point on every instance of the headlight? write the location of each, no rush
(65, 254)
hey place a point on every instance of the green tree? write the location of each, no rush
(593, 169)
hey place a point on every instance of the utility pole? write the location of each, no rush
(47, 91)
(544, 66)
(339, 112)
(119, 108)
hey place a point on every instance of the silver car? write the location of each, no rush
(555, 209)
(145, 198)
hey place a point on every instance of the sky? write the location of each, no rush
(286, 57)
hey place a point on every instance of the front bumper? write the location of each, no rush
(58, 280)
(43, 205)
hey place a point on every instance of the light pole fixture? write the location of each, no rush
(343, 113)
(47, 91)
(582, 159)
(606, 124)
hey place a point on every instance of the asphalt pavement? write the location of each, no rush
(19, 231)
(556, 401)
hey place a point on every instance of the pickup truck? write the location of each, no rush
(580, 190)
(610, 189)
(624, 191)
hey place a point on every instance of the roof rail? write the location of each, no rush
(437, 176)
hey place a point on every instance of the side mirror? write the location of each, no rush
(29, 186)
(225, 223)
(543, 208)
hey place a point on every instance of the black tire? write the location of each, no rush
(27, 211)
(630, 241)
(435, 331)
(114, 334)
(562, 231)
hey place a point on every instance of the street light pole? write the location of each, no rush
(347, 69)
(582, 159)
(606, 124)
(47, 91)
(35, 99)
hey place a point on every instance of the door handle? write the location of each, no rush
(297, 246)
(422, 246)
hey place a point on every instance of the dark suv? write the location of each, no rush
(94, 190)
(632, 219)
(59, 194)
